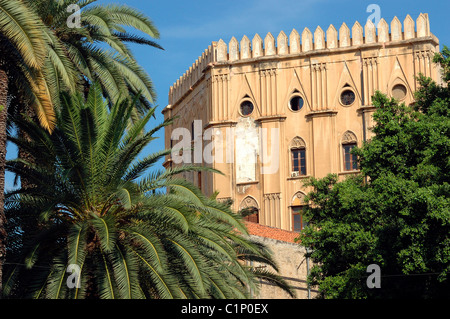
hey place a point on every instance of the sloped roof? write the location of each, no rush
(271, 232)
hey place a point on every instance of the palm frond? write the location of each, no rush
(76, 242)
(106, 231)
(136, 77)
(97, 17)
(274, 279)
(125, 271)
(133, 233)
(106, 284)
(158, 279)
(140, 167)
(56, 284)
(192, 261)
(125, 37)
(127, 16)
(42, 102)
(21, 26)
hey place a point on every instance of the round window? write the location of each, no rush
(247, 108)
(399, 91)
(296, 103)
(348, 97)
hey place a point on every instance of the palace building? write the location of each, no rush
(310, 91)
(276, 111)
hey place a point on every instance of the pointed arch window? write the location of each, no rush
(298, 206)
(249, 209)
(298, 157)
(350, 160)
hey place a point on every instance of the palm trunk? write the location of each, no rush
(29, 111)
(30, 222)
(3, 118)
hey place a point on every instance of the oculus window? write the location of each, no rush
(296, 103)
(399, 92)
(246, 108)
(348, 97)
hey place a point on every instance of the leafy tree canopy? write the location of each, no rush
(396, 213)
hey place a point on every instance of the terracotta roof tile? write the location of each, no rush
(271, 232)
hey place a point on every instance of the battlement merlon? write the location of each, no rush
(306, 43)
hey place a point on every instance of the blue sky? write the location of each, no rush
(188, 27)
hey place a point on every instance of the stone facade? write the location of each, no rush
(290, 257)
(278, 110)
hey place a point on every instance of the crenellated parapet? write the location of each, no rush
(193, 75)
(306, 43)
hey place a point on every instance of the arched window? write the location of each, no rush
(298, 207)
(298, 157)
(249, 208)
(349, 142)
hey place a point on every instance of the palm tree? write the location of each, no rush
(42, 56)
(98, 49)
(95, 51)
(22, 57)
(99, 208)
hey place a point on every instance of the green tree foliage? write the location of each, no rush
(132, 233)
(396, 213)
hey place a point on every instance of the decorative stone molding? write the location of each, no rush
(349, 138)
(298, 199)
(249, 202)
(297, 143)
